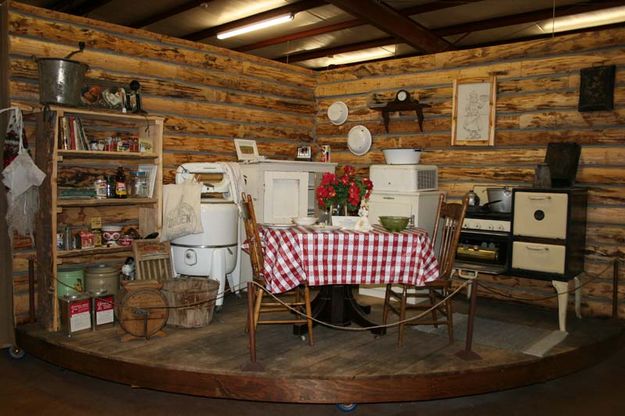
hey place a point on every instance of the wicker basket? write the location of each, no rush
(196, 292)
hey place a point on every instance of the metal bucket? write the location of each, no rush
(60, 81)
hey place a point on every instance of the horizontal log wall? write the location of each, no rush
(537, 95)
(207, 95)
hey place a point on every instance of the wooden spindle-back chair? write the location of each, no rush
(447, 228)
(298, 298)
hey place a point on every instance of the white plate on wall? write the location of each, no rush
(337, 113)
(359, 140)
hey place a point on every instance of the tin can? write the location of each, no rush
(325, 153)
(75, 313)
(103, 315)
(100, 187)
(60, 241)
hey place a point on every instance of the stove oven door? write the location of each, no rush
(486, 252)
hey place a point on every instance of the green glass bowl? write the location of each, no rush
(394, 224)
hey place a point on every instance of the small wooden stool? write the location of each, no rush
(142, 311)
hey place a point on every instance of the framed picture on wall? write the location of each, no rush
(473, 112)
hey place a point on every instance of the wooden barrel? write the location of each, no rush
(142, 311)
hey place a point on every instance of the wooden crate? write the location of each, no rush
(192, 301)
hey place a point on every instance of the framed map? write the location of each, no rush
(473, 112)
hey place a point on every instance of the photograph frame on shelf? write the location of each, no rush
(246, 149)
(473, 111)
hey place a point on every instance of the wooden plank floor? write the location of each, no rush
(342, 366)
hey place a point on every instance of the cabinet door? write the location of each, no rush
(286, 196)
(540, 214)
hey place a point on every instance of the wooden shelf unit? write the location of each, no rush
(80, 168)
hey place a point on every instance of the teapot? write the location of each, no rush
(473, 199)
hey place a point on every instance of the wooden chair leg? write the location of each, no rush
(259, 300)
(402, 315)
(308, 316)
(450, 320)
(251, 292)
(432, 296)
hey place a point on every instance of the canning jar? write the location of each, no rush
(139, 184)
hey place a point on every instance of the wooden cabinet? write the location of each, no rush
(281, 190)
(100, 143)
(285, 189)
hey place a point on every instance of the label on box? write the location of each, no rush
(104, 312)
(79, 315)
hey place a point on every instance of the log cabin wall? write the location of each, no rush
(537, 96)
(207, 95)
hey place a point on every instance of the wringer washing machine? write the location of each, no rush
(214, 253)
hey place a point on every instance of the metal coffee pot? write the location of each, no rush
(473, 199)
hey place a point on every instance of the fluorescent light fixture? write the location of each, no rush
(589, 19)
(256, 26)
(360, 56)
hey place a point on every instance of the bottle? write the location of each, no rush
(120, 183)
(110, 186)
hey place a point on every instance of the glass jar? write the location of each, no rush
(139, 184)
(100, 186)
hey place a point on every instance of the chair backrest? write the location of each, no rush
(449, 219)
(152, 260)
(252, 234)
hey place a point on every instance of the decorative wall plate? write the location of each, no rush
(359, 140)
(337, 113)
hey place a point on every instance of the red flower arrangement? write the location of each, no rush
(345, 191)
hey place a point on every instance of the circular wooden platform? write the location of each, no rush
(342, 367)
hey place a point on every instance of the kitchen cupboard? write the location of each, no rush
(281, 190)
(96, 145)
(549, 239)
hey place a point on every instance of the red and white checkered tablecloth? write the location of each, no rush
(298, 254)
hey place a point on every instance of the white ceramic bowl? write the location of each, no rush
(305, 220)
(402, 156)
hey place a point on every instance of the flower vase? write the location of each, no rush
(340, 217)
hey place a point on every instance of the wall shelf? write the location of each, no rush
(394, 106)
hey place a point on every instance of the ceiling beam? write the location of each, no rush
(289, 8)
(77, 7)
(172, 11)
(413, 10)
(320, 53)
(394, 23)
(301, 35)
(88, 6)
(466, 28)
(529, 17)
